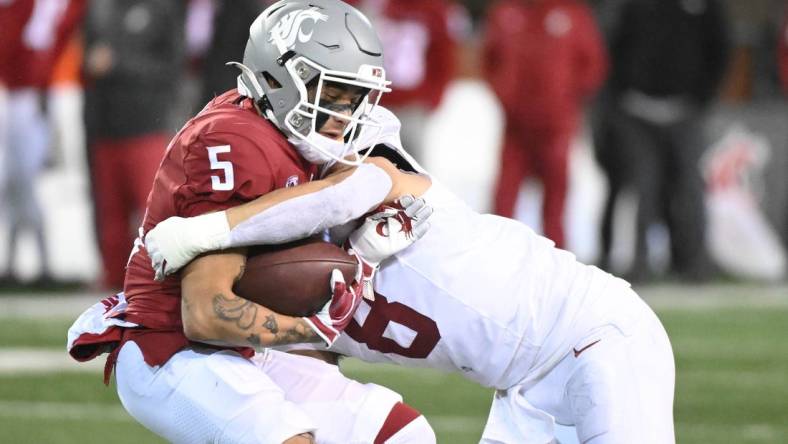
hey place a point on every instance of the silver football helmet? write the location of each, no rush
(298, 48)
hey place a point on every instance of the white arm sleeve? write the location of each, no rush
(310, 214)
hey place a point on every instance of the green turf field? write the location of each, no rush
(732, 380)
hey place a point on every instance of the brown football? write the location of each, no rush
(293, 279)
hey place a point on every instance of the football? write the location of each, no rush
(294, 278)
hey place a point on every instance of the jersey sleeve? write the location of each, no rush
(222, 170)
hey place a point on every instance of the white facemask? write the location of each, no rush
(315, 148)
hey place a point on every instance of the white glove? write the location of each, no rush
(391, 229)
(174, 242)
(386, 232)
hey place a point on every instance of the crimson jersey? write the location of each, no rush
(223, 157)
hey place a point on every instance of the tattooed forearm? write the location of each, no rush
(299, 333)
(271, 324)
(255, 341)
(235, 309)
(273, 330)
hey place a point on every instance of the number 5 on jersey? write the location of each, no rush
(225, 165)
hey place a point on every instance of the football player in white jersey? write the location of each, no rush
(485, 296)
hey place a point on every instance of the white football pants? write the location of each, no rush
(614, 386)
(201, 395)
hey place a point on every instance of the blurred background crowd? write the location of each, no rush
(649, 137)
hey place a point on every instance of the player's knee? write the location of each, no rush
(405, 424)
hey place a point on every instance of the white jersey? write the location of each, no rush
(479, 294)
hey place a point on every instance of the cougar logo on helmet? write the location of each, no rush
(289, 27)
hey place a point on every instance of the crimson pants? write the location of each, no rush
(123, 172)
(539, 151)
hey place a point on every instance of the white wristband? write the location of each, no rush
(177, 240)
(212, 229)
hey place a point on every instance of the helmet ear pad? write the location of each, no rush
(264, 78)
(276, 94)
(270, 80)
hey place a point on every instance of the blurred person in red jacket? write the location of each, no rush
(543, 59)
(420, 46)
(33, 35)
(134, 61)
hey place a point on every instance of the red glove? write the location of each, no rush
(329, 322)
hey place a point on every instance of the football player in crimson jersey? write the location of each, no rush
(182, 347)
(562, 343)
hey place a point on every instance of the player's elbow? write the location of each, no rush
(193, 332)
(200, 322)
(196, 324)
(207, 299)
